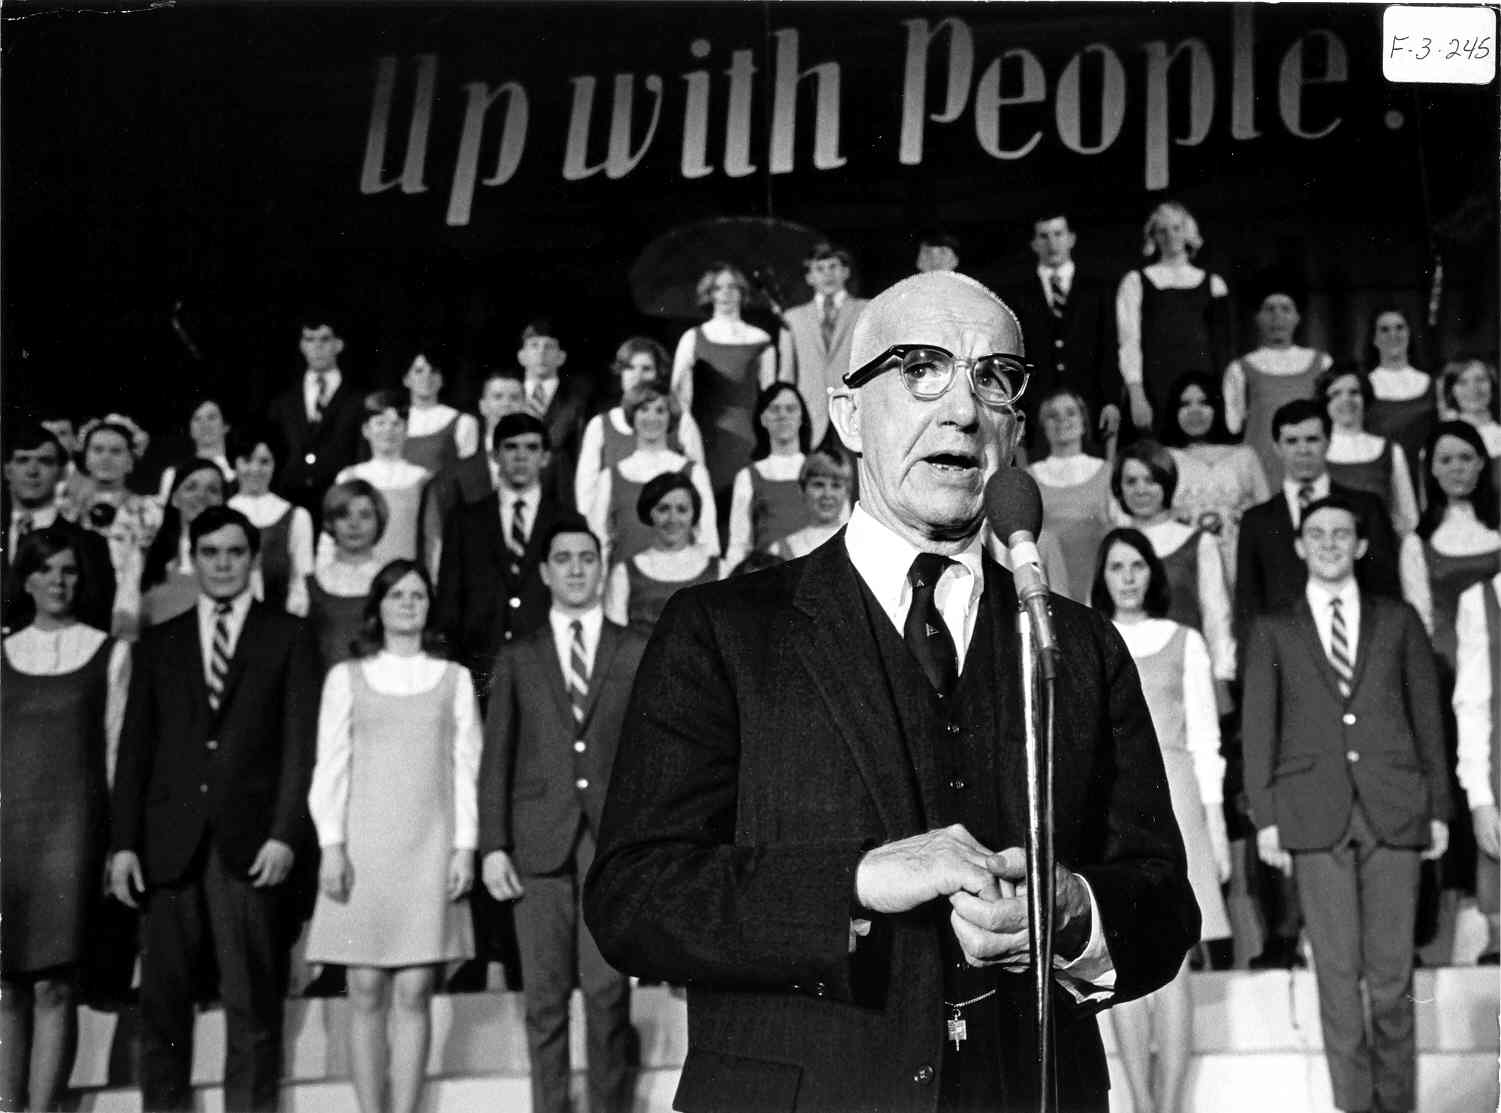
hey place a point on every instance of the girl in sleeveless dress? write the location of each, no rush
(209, 430)
(394, 798)
(1359, 459)
(716, 371)
(354, 515)
(1130, 586)
(169, 585)
(1218, 480)
(825, 481)
(639, 588)
(767, 503)
(286, 556)
(63, 688)
(1075, 488)
(609, 438)
(1405, 407)
(438, 436)
(400, 482)
(1171, 316)
(1468, 391)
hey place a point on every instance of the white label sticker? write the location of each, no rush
(1439, 45)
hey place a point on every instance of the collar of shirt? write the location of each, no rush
(1290, 492)
(549, 386)
(838, 296)
(184, 552)
(1319, 596)
(529, 497)
(562, 633)
(41, 518)
(239, 607)
(882, 558)
(312, 382)
(1064, 271)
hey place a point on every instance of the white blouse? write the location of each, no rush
(1360, 447)
(1400, 384)
(1200, 711)
(1065, 471)
(340, 577)
(392, 675)
(424, 421)
(1472, 694)
(1459, 534)
(775, 469)
(669, 567)
(53, 652)
(592, 449)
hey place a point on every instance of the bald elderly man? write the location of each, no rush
(817, 810)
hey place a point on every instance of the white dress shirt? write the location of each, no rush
(392, 675)
(530, 498)
(549, 390)
(1320, 597)
(1065, 273)
(882, 559)
(41, 518)
(823, 301)
(1320, 490)
(1459, 533)
(312, 388)
(1472, 694)
(208, 618)
(592, 621)
(67, 649)
(1291, 360)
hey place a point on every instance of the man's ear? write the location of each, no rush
(562, 358)
(338, 346)
(1360, 548)
(844, 412)
(1300, 548)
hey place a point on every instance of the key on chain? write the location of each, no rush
(958, 1029)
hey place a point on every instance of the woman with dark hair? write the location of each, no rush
(1171, 316)
(395, 801)
(1404, 408)
(1130, 586)
(208, 429)
(438, 436)
(1456, 543)
(639, 588)
(1359, 459)
(354, 515)
(1075, 487)
(1218, 480)
(609, 438)
(286, 556)
(169, 584)
(652, 412)
(63, 686)
(1468, 391)
(768, 503)
(716, 371)
(1144, 483)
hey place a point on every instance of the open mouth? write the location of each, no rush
(952, 462)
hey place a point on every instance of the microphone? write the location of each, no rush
(1013, 507)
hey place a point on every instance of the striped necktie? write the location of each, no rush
(830, 319)
(518, 527)
(537, 400)
(578, 672)
(1058, 293)
(218, 662)
(1339, 647)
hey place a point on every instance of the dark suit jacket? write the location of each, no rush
(763, 755)
(566, 416)
(486, 596)
(241, 777)
(529, 805)
(333, 444)
(1270, 577)
(457, 483)
(96, 595)
(1309, 752)
(1079, 351)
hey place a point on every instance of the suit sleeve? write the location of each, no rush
(299, 733)
(448, 608)
(1248, 589)
(677, 890)
(137, 752)
(1259, 723)
(1425, 712)
(497, 758)
(98, 596)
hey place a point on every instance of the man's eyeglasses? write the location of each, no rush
(927, 371)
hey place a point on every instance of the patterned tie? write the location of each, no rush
(537, 400)
(830, 319)
(578, 672)
(218, 662)
(1059, 294)
(926, 635)
(24, 525)
(518, 527)
(1339, 647)
(1305, 499)
(320, 400)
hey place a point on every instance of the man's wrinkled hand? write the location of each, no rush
(994, 930)
(902, 875)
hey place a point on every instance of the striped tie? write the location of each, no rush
(537, 400)
(1339, 647)
(1059, 294)
(518, 527)
(578, 672)
(218, 663)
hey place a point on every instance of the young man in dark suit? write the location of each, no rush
(34, 462)
(563, 403)
(1345, 770)
(319, 419)
(816, 815)
(208, 812)
(557, 703)
(1067, 315)
(1270, 577)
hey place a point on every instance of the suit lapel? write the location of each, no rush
(604, 654)
(545, 651)
(1370, 616)
(835, 645)
(1310, 631)
(237, 663)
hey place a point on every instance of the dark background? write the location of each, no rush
(209, 156)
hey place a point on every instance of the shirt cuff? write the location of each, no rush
(1090, 976)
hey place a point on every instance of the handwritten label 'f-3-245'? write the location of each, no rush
(1439, 45)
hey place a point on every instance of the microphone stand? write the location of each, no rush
(1038, 693)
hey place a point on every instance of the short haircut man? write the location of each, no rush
(814, 349)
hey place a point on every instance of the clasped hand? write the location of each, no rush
(987, 892)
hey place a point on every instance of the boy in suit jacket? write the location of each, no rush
(562, 403)
(319, 420)
(1344, 755)
(209, 809)
(814, 348)
(556, 707)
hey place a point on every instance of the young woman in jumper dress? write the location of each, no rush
(394, 798)
(767, 503)
(1075, 486)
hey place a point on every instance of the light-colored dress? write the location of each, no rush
(1220, 479)
(1076, 504)
(396, 782)
(401, 484)
(1175, 679)
(1258, 384)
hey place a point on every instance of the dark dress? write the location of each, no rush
(1182, 568)
(336, 620)
(1407, 422)
(1373, 475)
(627, 534)
(778, 509)
(53, 825)
(433, 451)
(1181, 331)
(725, 385)
(649, 595)
(276, 559)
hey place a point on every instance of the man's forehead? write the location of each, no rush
(525, 440)
(941, 308)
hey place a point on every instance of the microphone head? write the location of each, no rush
(1013, 503)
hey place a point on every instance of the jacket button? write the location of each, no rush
(1057, 341)
(514, 600)
(310, 458)
(579, 747)
(212, 744)
(958, 784)
(582, 782)
(203, 788)
(1352, 755)
(1348, 719)
(820, 990)
(923, 1075)
(952, 728)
